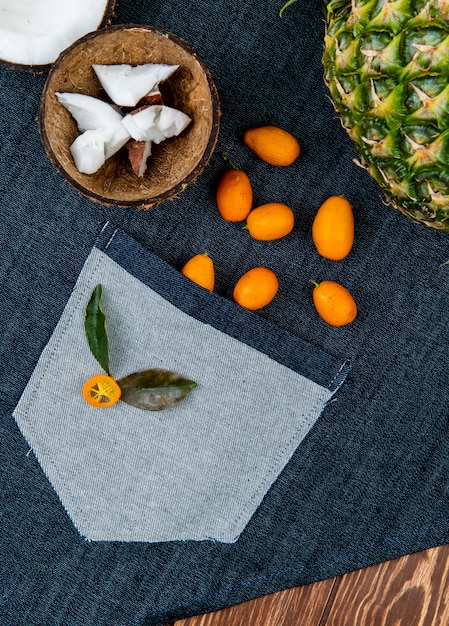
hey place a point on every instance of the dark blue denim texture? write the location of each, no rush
(370, 481)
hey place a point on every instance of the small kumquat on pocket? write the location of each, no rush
(234, 195)
(101, 391)
(256, 288)
(200, 269)
(270, 221)
(334, 303)
(333, 228)
(273, 145)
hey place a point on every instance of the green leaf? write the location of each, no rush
(95, 327)
(154, 389)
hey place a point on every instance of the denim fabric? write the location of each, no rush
(198, 471)
(370, 480)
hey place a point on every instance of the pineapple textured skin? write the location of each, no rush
(386, 64)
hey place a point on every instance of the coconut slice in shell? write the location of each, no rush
(89, 112)
(127, 84)
(94, 114)
(32, 34)
(89, 149)
(155, 123)
(138, 153)
(174, 163)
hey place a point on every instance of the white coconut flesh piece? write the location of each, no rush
(34, 33)
(126, 85)
(88, 149)
(89, 112)
(155, 123)
(92, 114)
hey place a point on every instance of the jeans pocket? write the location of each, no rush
(200, 469)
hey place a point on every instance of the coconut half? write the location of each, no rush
(131, 179)
(32, 34)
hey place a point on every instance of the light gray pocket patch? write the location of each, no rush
(196, 471)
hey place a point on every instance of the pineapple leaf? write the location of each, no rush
(95, 327)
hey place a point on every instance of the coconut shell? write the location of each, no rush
(176, 162)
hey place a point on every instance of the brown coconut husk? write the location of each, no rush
(176, 162)
(41, 69)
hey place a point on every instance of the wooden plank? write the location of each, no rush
(301, 605)
(410, 591)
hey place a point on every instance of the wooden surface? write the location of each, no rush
(410, 591)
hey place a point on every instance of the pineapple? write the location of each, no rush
(386, 64)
